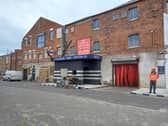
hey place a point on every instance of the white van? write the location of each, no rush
(13, 75)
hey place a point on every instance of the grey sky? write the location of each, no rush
(18, 16)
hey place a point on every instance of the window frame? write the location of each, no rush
(93, 49)
(96, 24)
(51, 35)
(59, 33)
(115, 17)
(74, 51)
(42, 43)
(124, 13)
(29, 42)
(131, 16)
(59, 51)
(133, 43)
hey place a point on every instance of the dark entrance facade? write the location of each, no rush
(25, 72)
(87, 68)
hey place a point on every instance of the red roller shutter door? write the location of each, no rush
(126, 75)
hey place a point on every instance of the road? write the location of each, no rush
(49, 106)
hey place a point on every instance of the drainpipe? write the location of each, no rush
(63, 41)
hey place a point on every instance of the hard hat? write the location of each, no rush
(153, 69)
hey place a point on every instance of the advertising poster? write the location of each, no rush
(83, 46)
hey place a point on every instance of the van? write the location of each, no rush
(13, 75)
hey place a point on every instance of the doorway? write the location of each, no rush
(25, 72)
(126, 75)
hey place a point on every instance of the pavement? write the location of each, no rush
(145, 91)
(48, 106)
(142, 91)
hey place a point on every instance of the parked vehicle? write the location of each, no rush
(13, 75)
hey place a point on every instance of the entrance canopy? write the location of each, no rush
(78, 57)
(86, 68)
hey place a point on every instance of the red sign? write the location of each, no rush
(83, 46)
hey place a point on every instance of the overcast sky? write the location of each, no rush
(18, 16)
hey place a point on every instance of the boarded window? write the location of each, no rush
(59, 33)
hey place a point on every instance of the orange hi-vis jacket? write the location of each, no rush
(154, 77)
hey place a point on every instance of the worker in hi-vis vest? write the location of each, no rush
(153, 79)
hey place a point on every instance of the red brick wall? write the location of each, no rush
(5, 62)
(41, 26)
(1, 63)
(18, 60)
(113, 34)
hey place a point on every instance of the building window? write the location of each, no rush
(25, 42)
(133, 13)
(41, 40)
(34, 54)
(96, 24)
(96, 46)
(25, 56)
(115, 16)
(40, 56)
(29, 41)
(123, 13)
(72, 29)
(59, 33)
(30, 54)
(51, 35)
(133, 41)
(59, 51)
(45, 53)
(66, 30)
(72, 51)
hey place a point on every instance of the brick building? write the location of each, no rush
(16, 60)
(5, 63)
(43, 35)
(12, 61)
(1, 60)
(131, 39)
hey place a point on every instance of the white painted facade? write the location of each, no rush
(166, 47)
(146, 62)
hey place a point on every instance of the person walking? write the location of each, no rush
(153, 79)
(33, 73)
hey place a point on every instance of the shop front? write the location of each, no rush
(85, 67)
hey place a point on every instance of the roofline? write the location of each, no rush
(50, 20)
(120, 6)
(37, 21)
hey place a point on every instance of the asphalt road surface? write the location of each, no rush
(48, 106)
